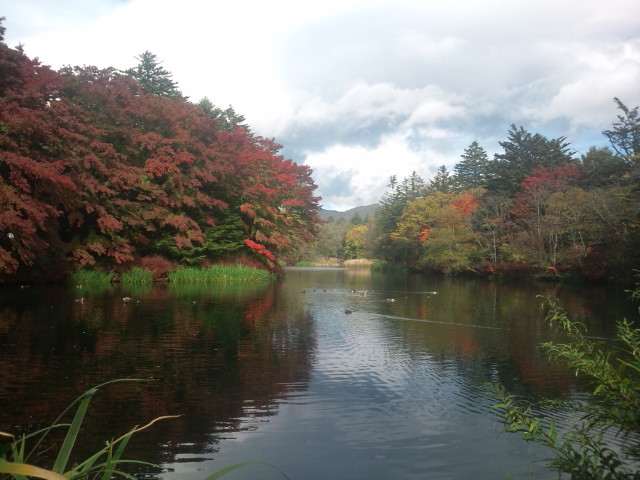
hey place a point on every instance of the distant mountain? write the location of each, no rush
(334, 215)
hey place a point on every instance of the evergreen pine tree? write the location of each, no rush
(472, 170)
(152, 77)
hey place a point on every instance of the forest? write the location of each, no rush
(536, 209)
(106, 169)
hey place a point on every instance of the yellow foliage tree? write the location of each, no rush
(355, 242)
(435, 231)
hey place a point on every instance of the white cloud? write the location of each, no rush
(31, 18)
(364, 89)
(364, 103)
(422, 46)
(584, 97)
(355, 175)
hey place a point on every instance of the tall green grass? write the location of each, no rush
(90, 277)
(136, 276)
(220, 274)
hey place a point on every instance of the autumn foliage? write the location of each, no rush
(436, 230)
(96, 172)
(534, 209)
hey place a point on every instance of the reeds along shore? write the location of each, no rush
(137, 276)
(335, 262)
(220, 273)
(140, 276)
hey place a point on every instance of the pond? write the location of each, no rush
(328, 373)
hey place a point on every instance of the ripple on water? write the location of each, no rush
(373, 387)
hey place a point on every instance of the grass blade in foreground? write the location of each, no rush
(67, 446)
(28, 470)
(13, 457)
(103, 464)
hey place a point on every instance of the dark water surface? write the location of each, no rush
(282, 375)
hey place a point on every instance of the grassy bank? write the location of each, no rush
(137, 276)
(90, 277)
(220, 274)
(184, 275)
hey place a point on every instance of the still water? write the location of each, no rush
(285, 375)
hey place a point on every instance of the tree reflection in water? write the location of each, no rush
(361, 394)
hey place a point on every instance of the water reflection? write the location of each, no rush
(281, 374)
(215, 356)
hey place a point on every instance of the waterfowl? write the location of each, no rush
(391, 300)
(347, 311)
(126, 299)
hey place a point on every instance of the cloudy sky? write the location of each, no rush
(364, 89)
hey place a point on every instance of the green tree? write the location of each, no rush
(625, 134)
(600, 167)
(624, 187)
(228, 119)
(522, 153)
(392, 205)
(442, 182)
(357, 219)
(583, 450)
(152, 77)
(225, 238)
(625, 140)
(472, 170)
